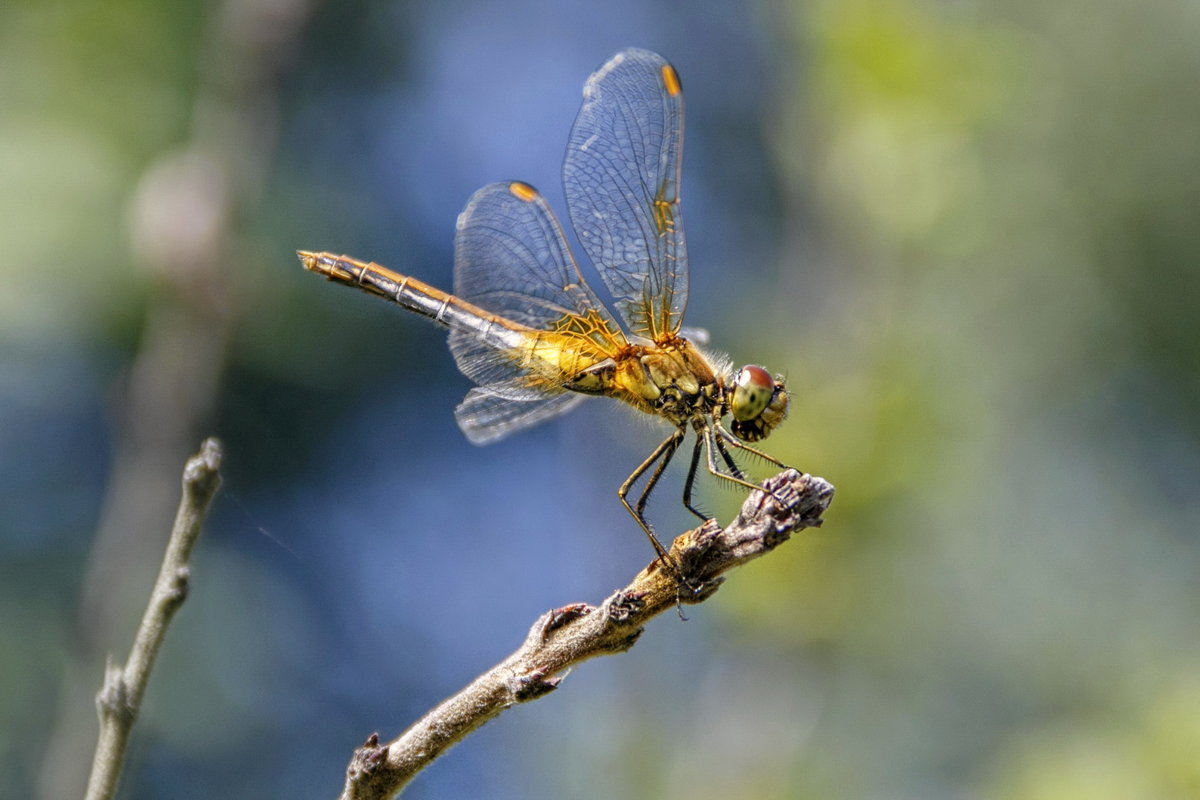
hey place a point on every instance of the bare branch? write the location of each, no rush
(121, 696)
(572, 634)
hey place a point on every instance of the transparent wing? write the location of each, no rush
(512, 260)
(488, 413)
(621, 178)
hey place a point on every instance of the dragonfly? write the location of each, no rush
(535, 338)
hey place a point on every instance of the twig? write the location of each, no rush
(121, 696)
(569, 635)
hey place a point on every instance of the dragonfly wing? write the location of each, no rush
(486, 414)
(512, 260)
(621, 177)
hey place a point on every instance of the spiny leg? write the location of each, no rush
(667, 455)
(734, 469)
(724, 437)
(664, 451)
(729, 438)
(691, 480)
(710, 444)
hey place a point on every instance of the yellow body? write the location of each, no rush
(580, 353)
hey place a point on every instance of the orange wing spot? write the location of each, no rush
(523, 191)
(671, 80)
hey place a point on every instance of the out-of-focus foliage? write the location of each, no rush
(90, 93)
(965, 230)
(1008, 193)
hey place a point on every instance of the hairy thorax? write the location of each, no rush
(674, 380)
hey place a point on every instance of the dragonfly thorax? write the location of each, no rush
(676, 381)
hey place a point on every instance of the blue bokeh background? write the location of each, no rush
(965, 231)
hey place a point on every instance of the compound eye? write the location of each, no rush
(752, 392)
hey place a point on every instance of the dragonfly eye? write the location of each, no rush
(752, 391)
(758, 404)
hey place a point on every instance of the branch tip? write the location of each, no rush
(202, 474)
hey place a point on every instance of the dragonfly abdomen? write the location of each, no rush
(417, 296)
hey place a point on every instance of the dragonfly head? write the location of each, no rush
(758, 403)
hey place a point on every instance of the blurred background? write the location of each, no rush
(966, 231)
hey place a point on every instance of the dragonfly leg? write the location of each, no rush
(729, 438)
(734, 469)
(720, 441)
(691, 480)
(665, 459)
(662, 454)
(711, 443)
